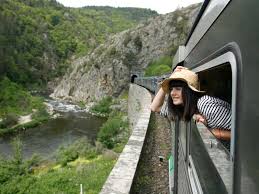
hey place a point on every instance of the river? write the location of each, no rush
(72, 124)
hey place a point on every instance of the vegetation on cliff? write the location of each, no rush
(159, 66)
(37, 37)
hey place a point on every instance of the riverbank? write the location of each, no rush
(65, 169)
(16, 103)
(50, 109)
(79, 163)
(26, 123)
(72, 165)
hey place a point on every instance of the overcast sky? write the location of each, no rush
(161, 6)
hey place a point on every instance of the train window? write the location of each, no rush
(217, 82)
(209, 177)
(211, 157)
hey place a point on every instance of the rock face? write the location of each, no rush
(107, 70)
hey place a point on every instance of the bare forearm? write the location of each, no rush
(221, 134)
(158, 101)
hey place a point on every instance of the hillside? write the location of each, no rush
(39, 37)
(107, 70)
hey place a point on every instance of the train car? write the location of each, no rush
(223, 49)
(149, 83)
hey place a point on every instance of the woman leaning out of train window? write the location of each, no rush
(186, 100)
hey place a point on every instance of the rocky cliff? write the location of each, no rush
(106, 71)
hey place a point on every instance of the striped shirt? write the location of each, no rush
(164, 108)
(216, 112)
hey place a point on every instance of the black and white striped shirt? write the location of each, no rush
(216, 112)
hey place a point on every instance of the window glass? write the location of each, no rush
(183, 137)
(209, 178)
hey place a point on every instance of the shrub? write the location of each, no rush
(66, 155)
(32, 162)
(10, 168)
(109, 131)
(80, 148)
(103, 106)
(138, 42)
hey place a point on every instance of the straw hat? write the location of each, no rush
(185, 75)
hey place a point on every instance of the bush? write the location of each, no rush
(109, 131)
(103, 106)
(138, 42)
(29, 164)
(66, 155)
(9, 168)
(79, 148)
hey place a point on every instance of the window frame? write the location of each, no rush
(227, 58)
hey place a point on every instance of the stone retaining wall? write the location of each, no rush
(121, 176)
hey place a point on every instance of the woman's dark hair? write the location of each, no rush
(189, 106)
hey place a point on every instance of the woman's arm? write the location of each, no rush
(218, 133)
(222, 134)
(158, 101)
(160, 96)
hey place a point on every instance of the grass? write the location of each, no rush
(35, 176)
(91, 175)
(125, 95)
(78, 163)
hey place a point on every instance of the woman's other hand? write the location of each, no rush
(200, 119)
(179, 68)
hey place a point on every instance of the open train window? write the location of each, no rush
(217, 81)
(210, 157)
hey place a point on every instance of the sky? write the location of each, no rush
(161, 6)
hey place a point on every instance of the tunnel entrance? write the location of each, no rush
(133, 78)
